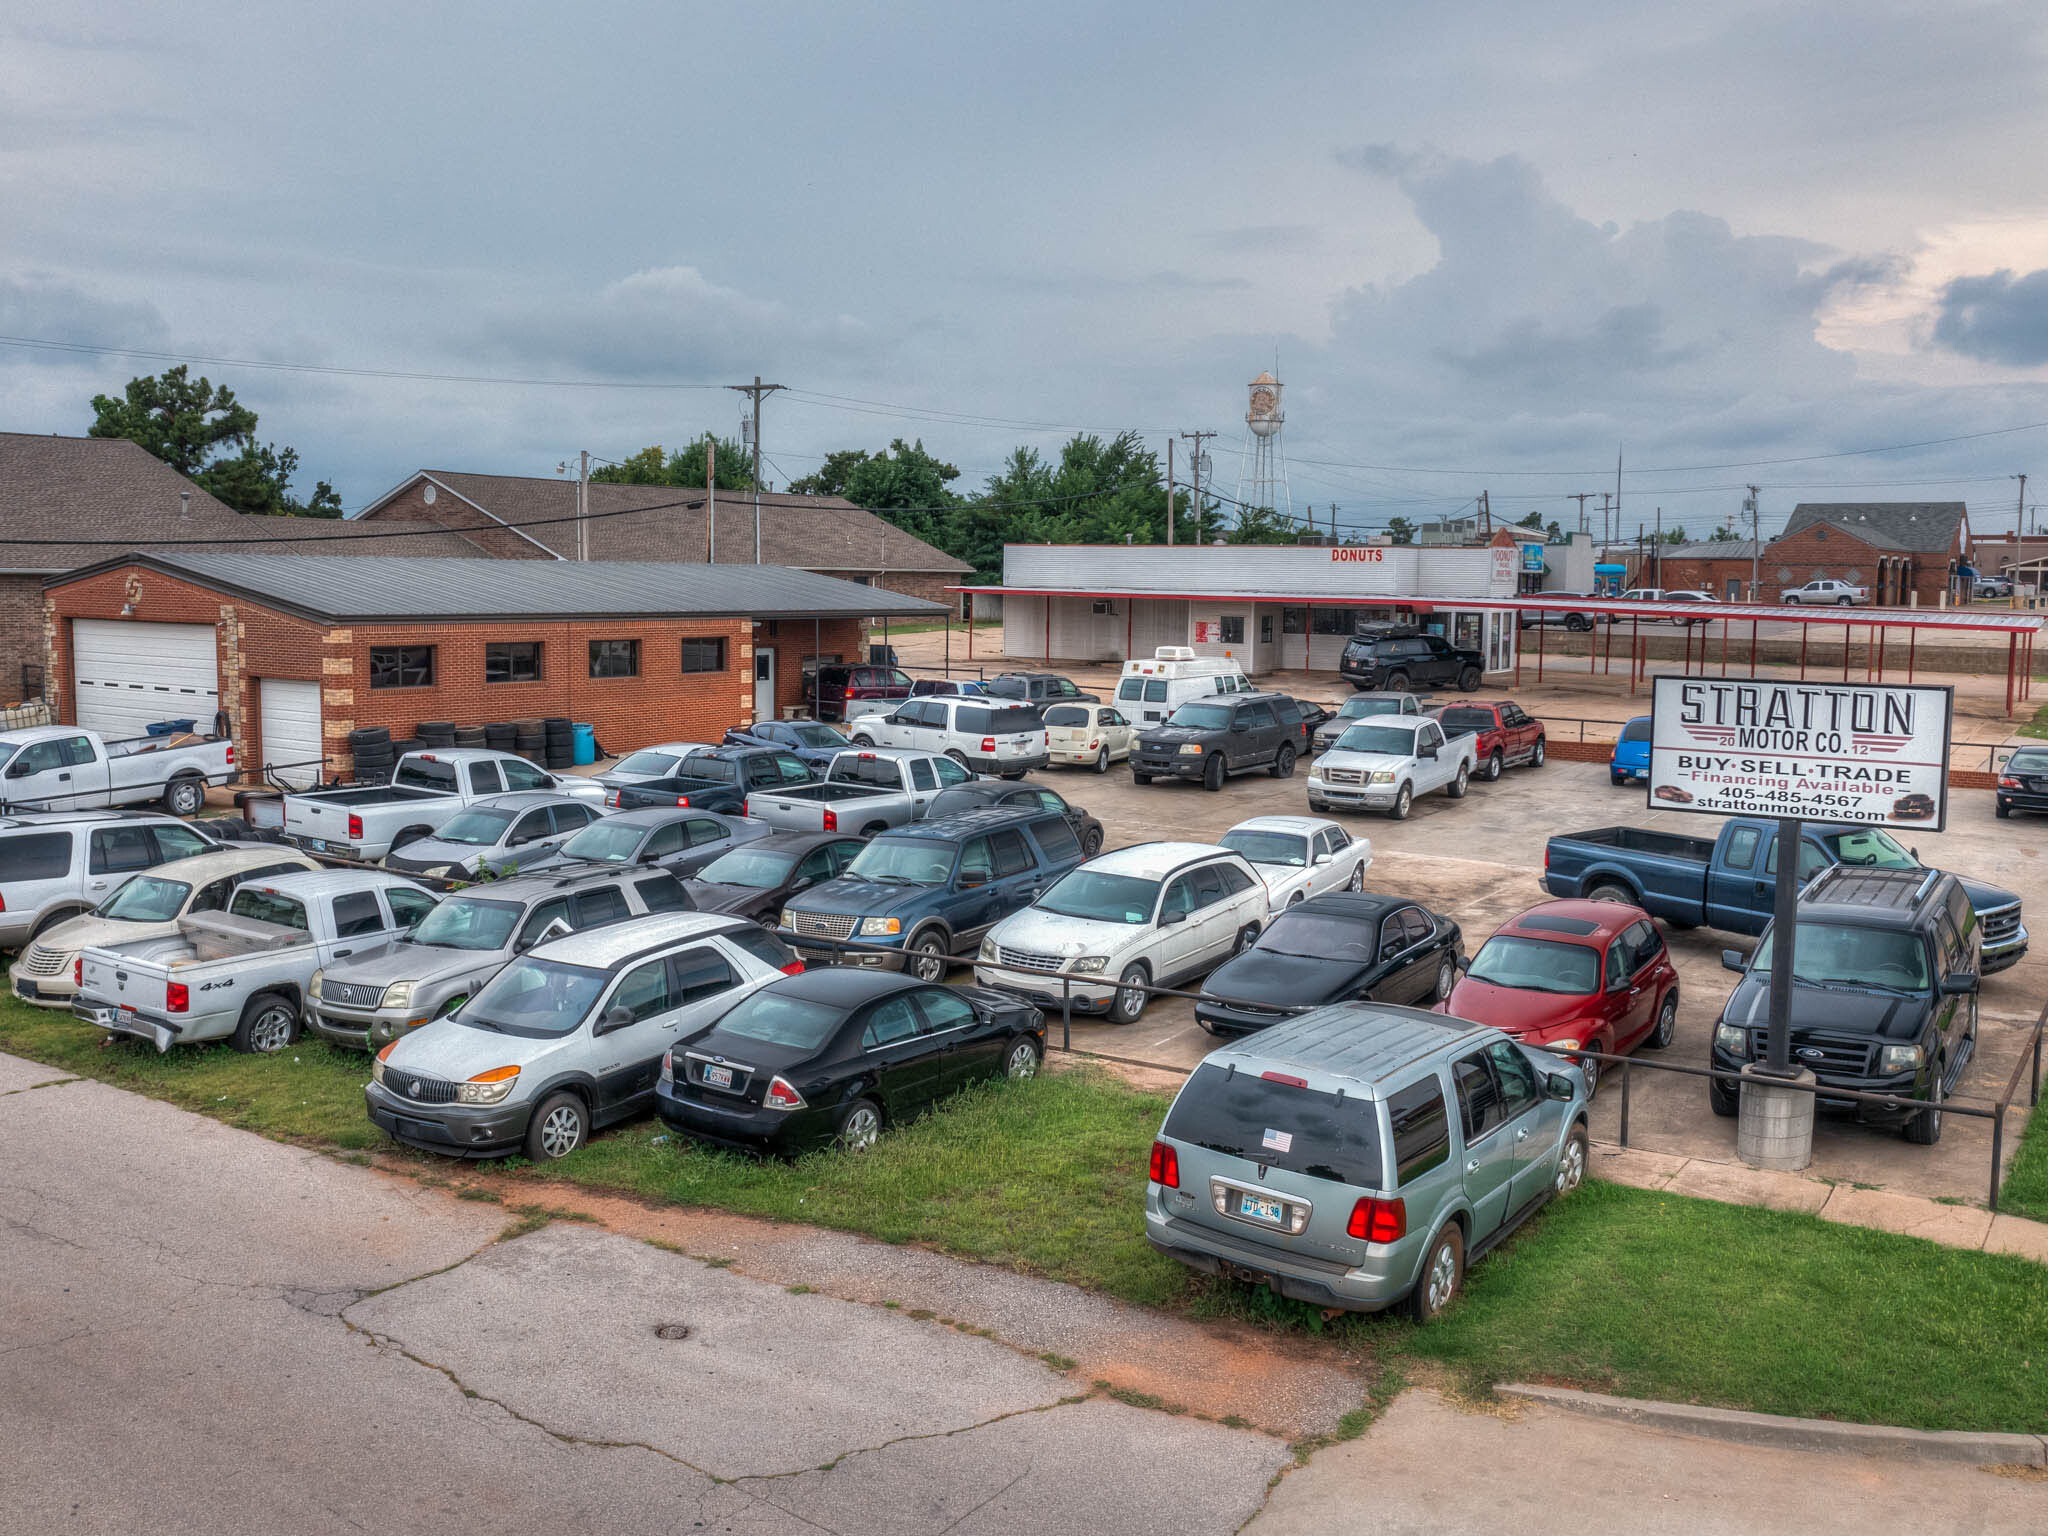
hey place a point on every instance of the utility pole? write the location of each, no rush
(1617, 488)
(1581, 497)
(1485, 516)
(1195, 470)
(710, 499)
(1169, 490)
(1659, 549)
(583, 506)
(2019, 524)
(756, 392)
(1606, 521)
(1756, 546)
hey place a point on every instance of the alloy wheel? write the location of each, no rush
(272, 1030)
(1022, 1061)
(1443, 1276)
(861, 1130)
(931, 960)
(562, 1131)
(1571, 1165)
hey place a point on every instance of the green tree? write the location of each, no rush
(1261, 525)
(1675, 534)
(1101, 491)
(1400, 530)
(1533, 520)
(650, 466)
(1725, 535)
(209, 437)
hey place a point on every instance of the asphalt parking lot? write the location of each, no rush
(1480, 861)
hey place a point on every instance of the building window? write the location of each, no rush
(1331, 621)
(1294, 621)
(769, 628)
(704, 655)
(615, 658)
(401, 666)
(512, 661)
(1233, 629)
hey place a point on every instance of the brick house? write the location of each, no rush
(298, 652)
(1718, 566)
(525, 517)
(1905, 552)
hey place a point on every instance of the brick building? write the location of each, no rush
(1718, 566)
(1905, 552)
(523, 517)
(299, 652)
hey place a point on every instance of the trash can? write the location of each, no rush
(586, 744)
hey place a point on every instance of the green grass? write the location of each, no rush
(2025, 1190)
(2038, 726)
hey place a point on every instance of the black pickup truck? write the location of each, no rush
(717, 779)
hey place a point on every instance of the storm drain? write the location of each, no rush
(671, 1330)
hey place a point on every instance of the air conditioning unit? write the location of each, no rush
(1103, 605)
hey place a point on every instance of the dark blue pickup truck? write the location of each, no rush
(1730, 881)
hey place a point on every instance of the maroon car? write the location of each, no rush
(1508, 738)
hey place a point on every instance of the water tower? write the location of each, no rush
(1262, 468)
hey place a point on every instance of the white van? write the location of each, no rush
(1149, 691)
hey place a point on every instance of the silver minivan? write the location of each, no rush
(1360, 1156)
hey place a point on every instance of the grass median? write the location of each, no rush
(1619, 1290)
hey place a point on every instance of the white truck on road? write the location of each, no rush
(427, 790)
(241, 975)
(1384, 762)
(68, 768)
(864, 791)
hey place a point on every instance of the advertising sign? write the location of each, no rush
(1532, 559)
(1864, 752)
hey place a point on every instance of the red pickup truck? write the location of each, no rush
(1508, 738)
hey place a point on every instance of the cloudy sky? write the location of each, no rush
(1488, 244)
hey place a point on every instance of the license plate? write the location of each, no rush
(718, 1077)
(313, 844)
(1259, 1209)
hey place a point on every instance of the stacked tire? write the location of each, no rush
(370, 746)
(560, 742)
(530, 739)
(436, 733)
(499, 735)
(471, 736)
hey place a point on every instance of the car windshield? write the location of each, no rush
(1264, 1120)
(1870, 848)
(1103, 898)
(817, 736)
(1318, 936)
(537, 998)
(904, 861)
(1200, 717)
(1538, 965)
(773, 1019)
(1359, 705)
(1637, 729)
(146, 899)
(477, 827)
(752, 867)
(606, 842)
(1836, 954)
(654, 764)
(466, 922)
(1388, 739)
(1289, 848)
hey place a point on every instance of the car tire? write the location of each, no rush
(1404, 802)
(1608, 890)
(1494, 765)
(1537, 753)
(1667, 1024)
(2004, 811)
(1397, 682)
(1091, 842)
(1247, 936)
(560, 1125)
(1924, 1129)
(1588, 1069)
(1214, 772)
(1577, 623)
(1357, 880)
(1443, 1274)
(185, 797)
(1470, 679)
(1283, 762)
(958, 756)
(1571, 1163)
(1617, 780)
(1021, 1058)
(858, 1126)
(1724, 1098)
(863, 739)
(1446, 979)
(1140, 778)
(1102, 760)
(1317, 805)
(1127, 1005)
(1846, 602)
(928, 959)
(1457, 787)
(269, 1024)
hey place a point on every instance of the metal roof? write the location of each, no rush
(363, 589)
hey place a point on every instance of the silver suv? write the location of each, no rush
(381, 993)
(58, 864)
(569, 1037)
(1361, 1156)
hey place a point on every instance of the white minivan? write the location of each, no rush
(1150, 690)
(984, 734)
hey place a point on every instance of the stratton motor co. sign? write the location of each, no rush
(1827, 751)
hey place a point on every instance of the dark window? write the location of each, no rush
(175, 842)
(890, 1023)
(764, 947)
(703, 654)
(1258, 717)
(793, 770)
(663, 893)
(606, 904)
(512, 661)
(922, 773)
(214, 897)
(39, 856)
(542, 915)
(530, 828)
(1057, 840)
(977, 863)
(1209, 887)
(700, 973)
(117, 849)
(1517, 1078)
(702, 830)
(42, 756)
(1301, 1130)
(615, 658)
(1620, 963)
(1422, 1129)
(1235, 880)
(1393, 935)
(643, 991)
(1742, 847)
(1180, 897)
(408, 906)
(484, 779)
(520, 775)
(1478, 1095)
(1287, 711)
(1012, 857)
(974, 720)
(571, 818)
(666, 841)
(1331, 621)
(356, 912)
(268, 906)
(943, 1010)
(401, 666)
(818, 864)
(1233, 629)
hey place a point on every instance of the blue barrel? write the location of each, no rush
(586, 744)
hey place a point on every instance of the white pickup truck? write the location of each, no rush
(1385, 761)
(67, 768)
(864, 791)
(428, 789)
(241, 975)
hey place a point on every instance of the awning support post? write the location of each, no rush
(1541, 632)
(1753, 626)
(1804, 628)
(2012, 656)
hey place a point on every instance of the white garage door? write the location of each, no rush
(131, 675)
(291, 728)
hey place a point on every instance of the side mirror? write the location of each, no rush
(1959, 983)
(1464, 962)
(18, 769)
(1425, 751)
(649, 857)
(614, 1018)
(1168, 919)
(1322, 858)
(1558, 1086)
(971, 878)
(1731, 960)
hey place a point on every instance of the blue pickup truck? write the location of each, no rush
(1730, 881)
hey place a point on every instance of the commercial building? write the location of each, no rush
(298, 652)
(1908, 553)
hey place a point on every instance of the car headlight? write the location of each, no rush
(1382, 776)
(398, 994)
(1088, 965)
(439, 871)
(1731, 1038)
(1569, 1043)
(313, 986)
(488, 1087)
(874, 927)
(1191, 749)
(988, 948)
(787, 919)
(1900, 1058)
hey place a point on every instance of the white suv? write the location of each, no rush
(1155, 914)
(986, 734)
(1826, 592)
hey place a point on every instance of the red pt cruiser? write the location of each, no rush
(1591, 975)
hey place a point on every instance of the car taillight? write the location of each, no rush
(781, 1095)
(177, 998)
(831, 821)
(78, 972)
(1165, 1165)
(1282, 1077)
(355, 829)
(611, 798)
(988, 743)
(794, 968)
(231, 754)
(683, 800)
(744, 811)
(1546, 857)
(1378, 1221)
(2008, 783)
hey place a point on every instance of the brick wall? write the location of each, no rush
(1893, 576)
(21, 631)
(797, 641)
(1700, 573)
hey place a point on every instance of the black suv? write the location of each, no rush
(1210, 739)
(1398, 657)
(1038, 688)
(1884, 994)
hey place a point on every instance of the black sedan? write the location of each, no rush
(831, 1056)
(1335, 948)
(2023, 782)
(753, 879)
(973, 796)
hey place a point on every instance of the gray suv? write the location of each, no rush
(1210, 739)
(428, 972)
(1361, 1156)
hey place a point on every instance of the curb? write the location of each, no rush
(1964, 1447)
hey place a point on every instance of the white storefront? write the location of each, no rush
(1274, 607)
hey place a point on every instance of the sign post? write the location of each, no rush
(1796, 751)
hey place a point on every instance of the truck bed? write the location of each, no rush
(825, 792)
(381, 794)
(1666, 845)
